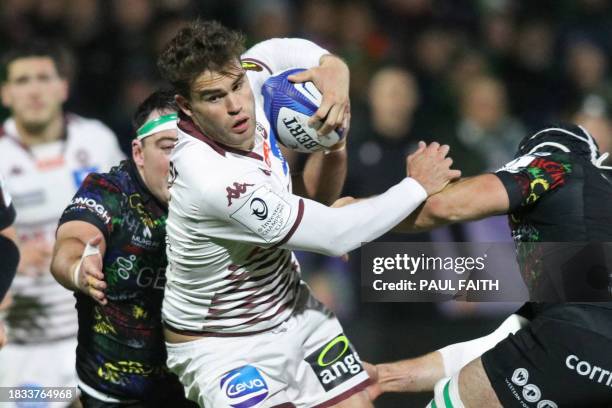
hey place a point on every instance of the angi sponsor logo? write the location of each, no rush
(244, 386)
(335, 362)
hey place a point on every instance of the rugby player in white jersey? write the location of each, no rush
(242, 329)
(44, 155)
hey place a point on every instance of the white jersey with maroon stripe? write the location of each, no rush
(229, 212)
(42, 180)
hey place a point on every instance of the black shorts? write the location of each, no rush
(562, 359)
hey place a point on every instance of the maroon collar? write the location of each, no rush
(187, 125)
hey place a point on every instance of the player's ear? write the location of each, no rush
(183, 104)
(64, 87)
(6, 99)
(137, 153)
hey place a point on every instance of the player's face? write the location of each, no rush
(223, 107)
(153, 157)
(34, 92)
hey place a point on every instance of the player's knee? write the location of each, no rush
(446, 394)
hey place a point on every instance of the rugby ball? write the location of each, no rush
(288, 107)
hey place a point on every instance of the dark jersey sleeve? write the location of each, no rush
(97, 202)
(7, 211)
(9, 254)
(8, 266)
(530, 177)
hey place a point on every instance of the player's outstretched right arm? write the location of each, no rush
(83, 234)
(336, 231)
(467, 199)
(77, 259)
(517, 185)
(422, 373)
(411, 375)
(251, 208)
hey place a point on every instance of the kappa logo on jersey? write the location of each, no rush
(265, 213)
(335, 362)
(236, 192)
(92, 205)
(245, 387)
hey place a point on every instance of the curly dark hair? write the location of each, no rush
(162, 99)
(201, 46)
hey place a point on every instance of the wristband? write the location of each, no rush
(88, 251)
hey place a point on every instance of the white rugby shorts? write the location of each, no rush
(307, 361)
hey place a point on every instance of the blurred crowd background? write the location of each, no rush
(476, 74)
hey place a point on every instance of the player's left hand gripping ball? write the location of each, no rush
(289, 107)
(331, 77)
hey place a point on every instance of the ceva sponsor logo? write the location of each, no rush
(244, 386)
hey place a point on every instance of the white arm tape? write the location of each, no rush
(456, 356)
(336, 231)
(88, 251)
